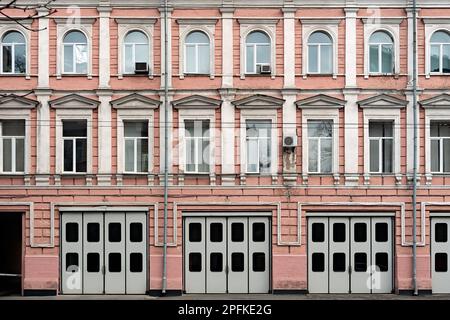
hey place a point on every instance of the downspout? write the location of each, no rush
(415, 122)
(166, 140)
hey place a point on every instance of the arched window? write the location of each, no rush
(257, 52)
(381, 53)
(320, 53)
(136, 50)
(440, 52)
(13, 53)
(197, 48)
(75, 52)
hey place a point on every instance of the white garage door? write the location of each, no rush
(440, 251)
(227, 255)
(349, 255)
(104, 253)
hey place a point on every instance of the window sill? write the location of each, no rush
(197, 173)
(137, 75)
(73, 174)
(16, 75)
(196, 74)
(9, 174)
(129, 174)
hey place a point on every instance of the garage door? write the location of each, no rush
(104, 253)
(349, 255)
(440, 251)
(227, 255)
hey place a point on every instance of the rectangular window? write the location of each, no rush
(75, 145)
(197, 152)
(381, 144)
(258, 140)
(320, 146)
(12, 143)
(136, 146)
(440, 146)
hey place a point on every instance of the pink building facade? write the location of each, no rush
(290, 147)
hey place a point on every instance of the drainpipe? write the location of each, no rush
(166, 140)
(415, 122)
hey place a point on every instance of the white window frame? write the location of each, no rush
(319, 52)
(392, 27)
(379, 46)
(196, 47)
(442, 115)
(134, 115)
(7, 26)
(78, 114)
(133, 46)
(320, 114)
(258, 139)
(385, 115)
(63, 26)
(74, 153)
(255, 53)
(18, 115)
(259, 114)
(330, 27)
(380, 148)
(13, 53)
(74, 64)
(196, 114)
(319, 147)
(441, 153)
(267, 26)
(441, 51)
(208, 27)
(433, 24)
(196, 141)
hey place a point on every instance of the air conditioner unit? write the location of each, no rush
(290, 141)
(141, 68)
(264, 69)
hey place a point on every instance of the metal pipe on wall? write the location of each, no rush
(414, 196)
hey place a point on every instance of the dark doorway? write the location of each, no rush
(10, 254)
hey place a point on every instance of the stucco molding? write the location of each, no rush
(382, 101)
(17, 102)
(441, 101)
(258, 101)
(196, 102)
(135, 101)
(74, 101)
(320, 101)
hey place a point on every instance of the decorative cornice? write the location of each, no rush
(439, 101)
(80, 102)
(81, 20)
(258, 21)
(135, 101)
(315, 21)
(320, 101)
(258, 101)
(381, 20)
(382, 101)
(193, 21)
(227, 10)
(17, 102)
(436, 20)
(196, 102)
(9, 21)
(135, 20)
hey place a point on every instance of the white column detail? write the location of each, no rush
(228, 139)
(289, 47)
(43, 55)
(350, 47)
(104, 139)
(162, 155)
(351, 139)
(227, 47)
(104, 47)
(43, 139)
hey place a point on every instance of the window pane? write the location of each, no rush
(68, 155)
(237, 232)
(252, 155)
(434, 58)
(382, 261)
(7, 59)
(339, 232)
(20, 154)
(257, 37)
(74, 128)
(380, 37)
(446, 58)
(320, 128)
(237, 262)
(374, 156)
(259, 262)
(93, 232)
(339, 262)
(81, 58)
(388, 149)
(446, 155)
(135, 128)
(326, 59)
(319, 37)
(387, 56)
(263, 54)
(259, 231)
(197, 37)
(136, 262)
(203, 59)
(216, 232)
(141, 53)
(129, 62)
(313, 56)
(318, 232)
(190, 59)
(195, 262)
(376, 129)
(68, 58)
(434, 128)
(81, 155)
(136, 232)
(13, 128)
(373, 58)
(203, 156)
(360, 232)
(195, 232)
(318, 262)
(129, 155)
(20, 58)
(250, 62)
(75, 37)
(435, 155)
(114, 232)
(72, 232)
(440, 262)
(142, 155)
(7, 155)
(216, 262)
(72, 263)
(381, 232)
(190, 155)
(440, 230)
(114, 262)
(326, 155)
(136, 37)
(264, 155)
(360, 262)
(93, 262)
(189, 127)
(313, 148)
